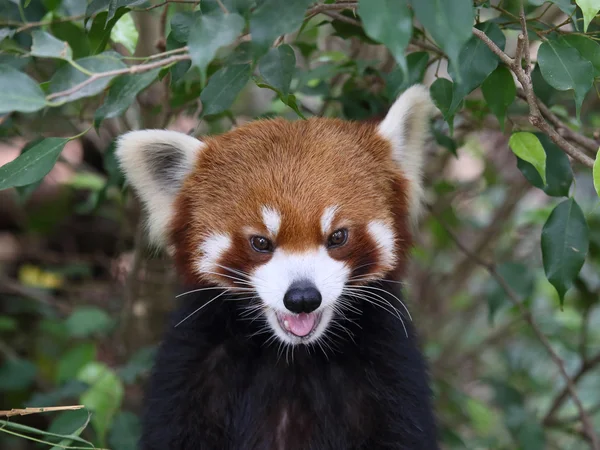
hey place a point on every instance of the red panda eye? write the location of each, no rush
(261, 244)
(337, 238)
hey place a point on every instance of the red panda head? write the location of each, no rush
(294, 212)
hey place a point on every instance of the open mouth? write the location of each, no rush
(300, 325)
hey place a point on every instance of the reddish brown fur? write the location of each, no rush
(298, 168)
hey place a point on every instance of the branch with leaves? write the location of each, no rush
(570, 388)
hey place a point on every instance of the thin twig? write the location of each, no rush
(525, 39)
(113, 73)
(27, 411)
(342, 18)
(586, 366)
(166, 2)
(43, 23)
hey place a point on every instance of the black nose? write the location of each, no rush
(302, 297)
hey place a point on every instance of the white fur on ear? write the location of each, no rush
(406, 127)
(155, 163)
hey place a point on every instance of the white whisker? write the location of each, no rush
(206, 304)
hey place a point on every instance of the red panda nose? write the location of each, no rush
(302, 297)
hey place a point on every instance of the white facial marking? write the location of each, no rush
(271, 219)
(384, 237)
(327, 218)
(273, 279)
(212, 249)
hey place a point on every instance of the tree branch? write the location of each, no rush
(584, 141)
(524, 77)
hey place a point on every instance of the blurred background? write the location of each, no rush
(83, 302)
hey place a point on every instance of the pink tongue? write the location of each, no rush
(300, 324)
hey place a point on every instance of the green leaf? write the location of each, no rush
(441, 93)
(125, 32)
(565, 245)
(69, 423)
(596, 172)
(179, 69)
(541, 88)
(182, 23)
(68, 77)
(125, 432)
(114, 6)
(25, 192)
(564, 5)
(589, 8)
(564, 68)
(140, 363)
(347, 30)
(444, 140)
(47, 46)
(476, 62)
(529, 148)
(278, 67)
(73, 360)
(16, 374)
(559, 174)
(19, 92)
(397, 81)
(272, 18)
(530, 435)
(211, 32)
(6, 32)
(393, 28)
(104, 396)
(238, 6)
(8, 324)
(587, 48)
(450, 24)
(499, 91)
(96, 6)
(290, 100)
(32, 165)
(88, 320)
(223, 88)
(122, 94)
(101, 29)
(74, 35)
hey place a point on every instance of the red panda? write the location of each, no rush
(290, 238)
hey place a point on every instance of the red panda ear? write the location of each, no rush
(406, 126)
(155, 163)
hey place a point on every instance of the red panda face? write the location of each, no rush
(295, 213)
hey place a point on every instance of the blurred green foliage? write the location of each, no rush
(74, 71)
